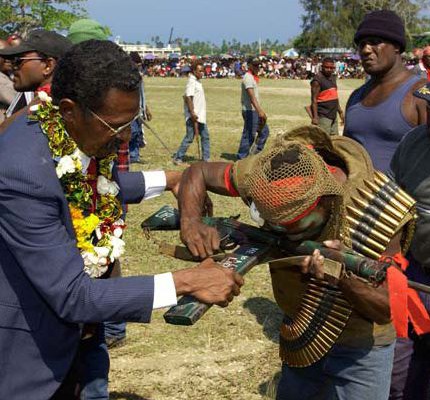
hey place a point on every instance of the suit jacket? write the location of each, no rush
(44, 293)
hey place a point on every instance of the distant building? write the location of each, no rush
(335, 51)
(145, 49)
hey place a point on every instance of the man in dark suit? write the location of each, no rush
(45, 295)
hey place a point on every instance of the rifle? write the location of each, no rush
(254, 247)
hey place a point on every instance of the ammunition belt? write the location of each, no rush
(322, 317)
(380, 211)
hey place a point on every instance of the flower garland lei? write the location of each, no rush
(98, 228)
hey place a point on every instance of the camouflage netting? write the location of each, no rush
(287, 179)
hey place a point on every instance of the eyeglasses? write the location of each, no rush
(117, 131)
(18, 61)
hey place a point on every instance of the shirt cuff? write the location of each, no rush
(155, 183)
(164, 291)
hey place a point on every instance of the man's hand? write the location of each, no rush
(194, 117)
(201, 240)
(209, 283)
(262, 116)
(148, 114)
(314, 264)
(315, 121)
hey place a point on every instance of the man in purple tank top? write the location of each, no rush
(380, 113)
(383, 110)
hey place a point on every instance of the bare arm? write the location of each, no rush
(315, 91)
(256, 104)
(414, 108)
(340, 112)
(371, 302)
(189, 102)
(196, 180)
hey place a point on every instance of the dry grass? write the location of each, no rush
(231, 353)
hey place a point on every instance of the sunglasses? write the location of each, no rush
(117, 131)
(18, 61)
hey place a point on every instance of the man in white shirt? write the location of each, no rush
(255, 129)
(195, 115)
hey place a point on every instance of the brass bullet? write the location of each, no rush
(367, 240)
(333, 315)
(335, 324)
(368, 230)
(319, 301)
(378, 202)
(370, 220)
(386, 196)
(328, 323)
(340, 307)
(361, 248)
(376, 212)
(393, 185)
(309, 357)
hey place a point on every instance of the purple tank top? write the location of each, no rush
(379, 129)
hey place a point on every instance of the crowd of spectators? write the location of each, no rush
(272, 68)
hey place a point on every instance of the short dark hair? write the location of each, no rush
(328, 60)
(135, 56)
(195, 64)
(89, 69)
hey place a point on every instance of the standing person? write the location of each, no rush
(7, 92)
(195, 115)
(383, 110)
(54, 235)
(306, 187)
(423, 67)
(325, 99)
(411, 169)
(93, 349)
(33, 62)
(137, 129)
(255, 128)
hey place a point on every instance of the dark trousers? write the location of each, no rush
(251, 121)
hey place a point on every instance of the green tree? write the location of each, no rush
(332, 23)
(24, 15)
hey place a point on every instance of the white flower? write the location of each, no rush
(105, 186)
(95, 271)
(34, 108)
(66, 165)
(43, 96)
(102, 251)
(89, 258)
(103, 261)
(117, 232)
(92, 266)
(118, 247)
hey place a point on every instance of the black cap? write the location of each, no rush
(423, 92)
(384, 24)
(46, 42)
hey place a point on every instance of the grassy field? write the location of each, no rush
(230, 353)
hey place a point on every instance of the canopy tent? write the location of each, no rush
(291, 53)
(149, 57)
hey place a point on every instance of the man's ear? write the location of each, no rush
(69, 110)
(51, 63)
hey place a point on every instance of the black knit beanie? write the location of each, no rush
(384, 24)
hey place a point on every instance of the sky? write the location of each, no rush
(204, 20)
